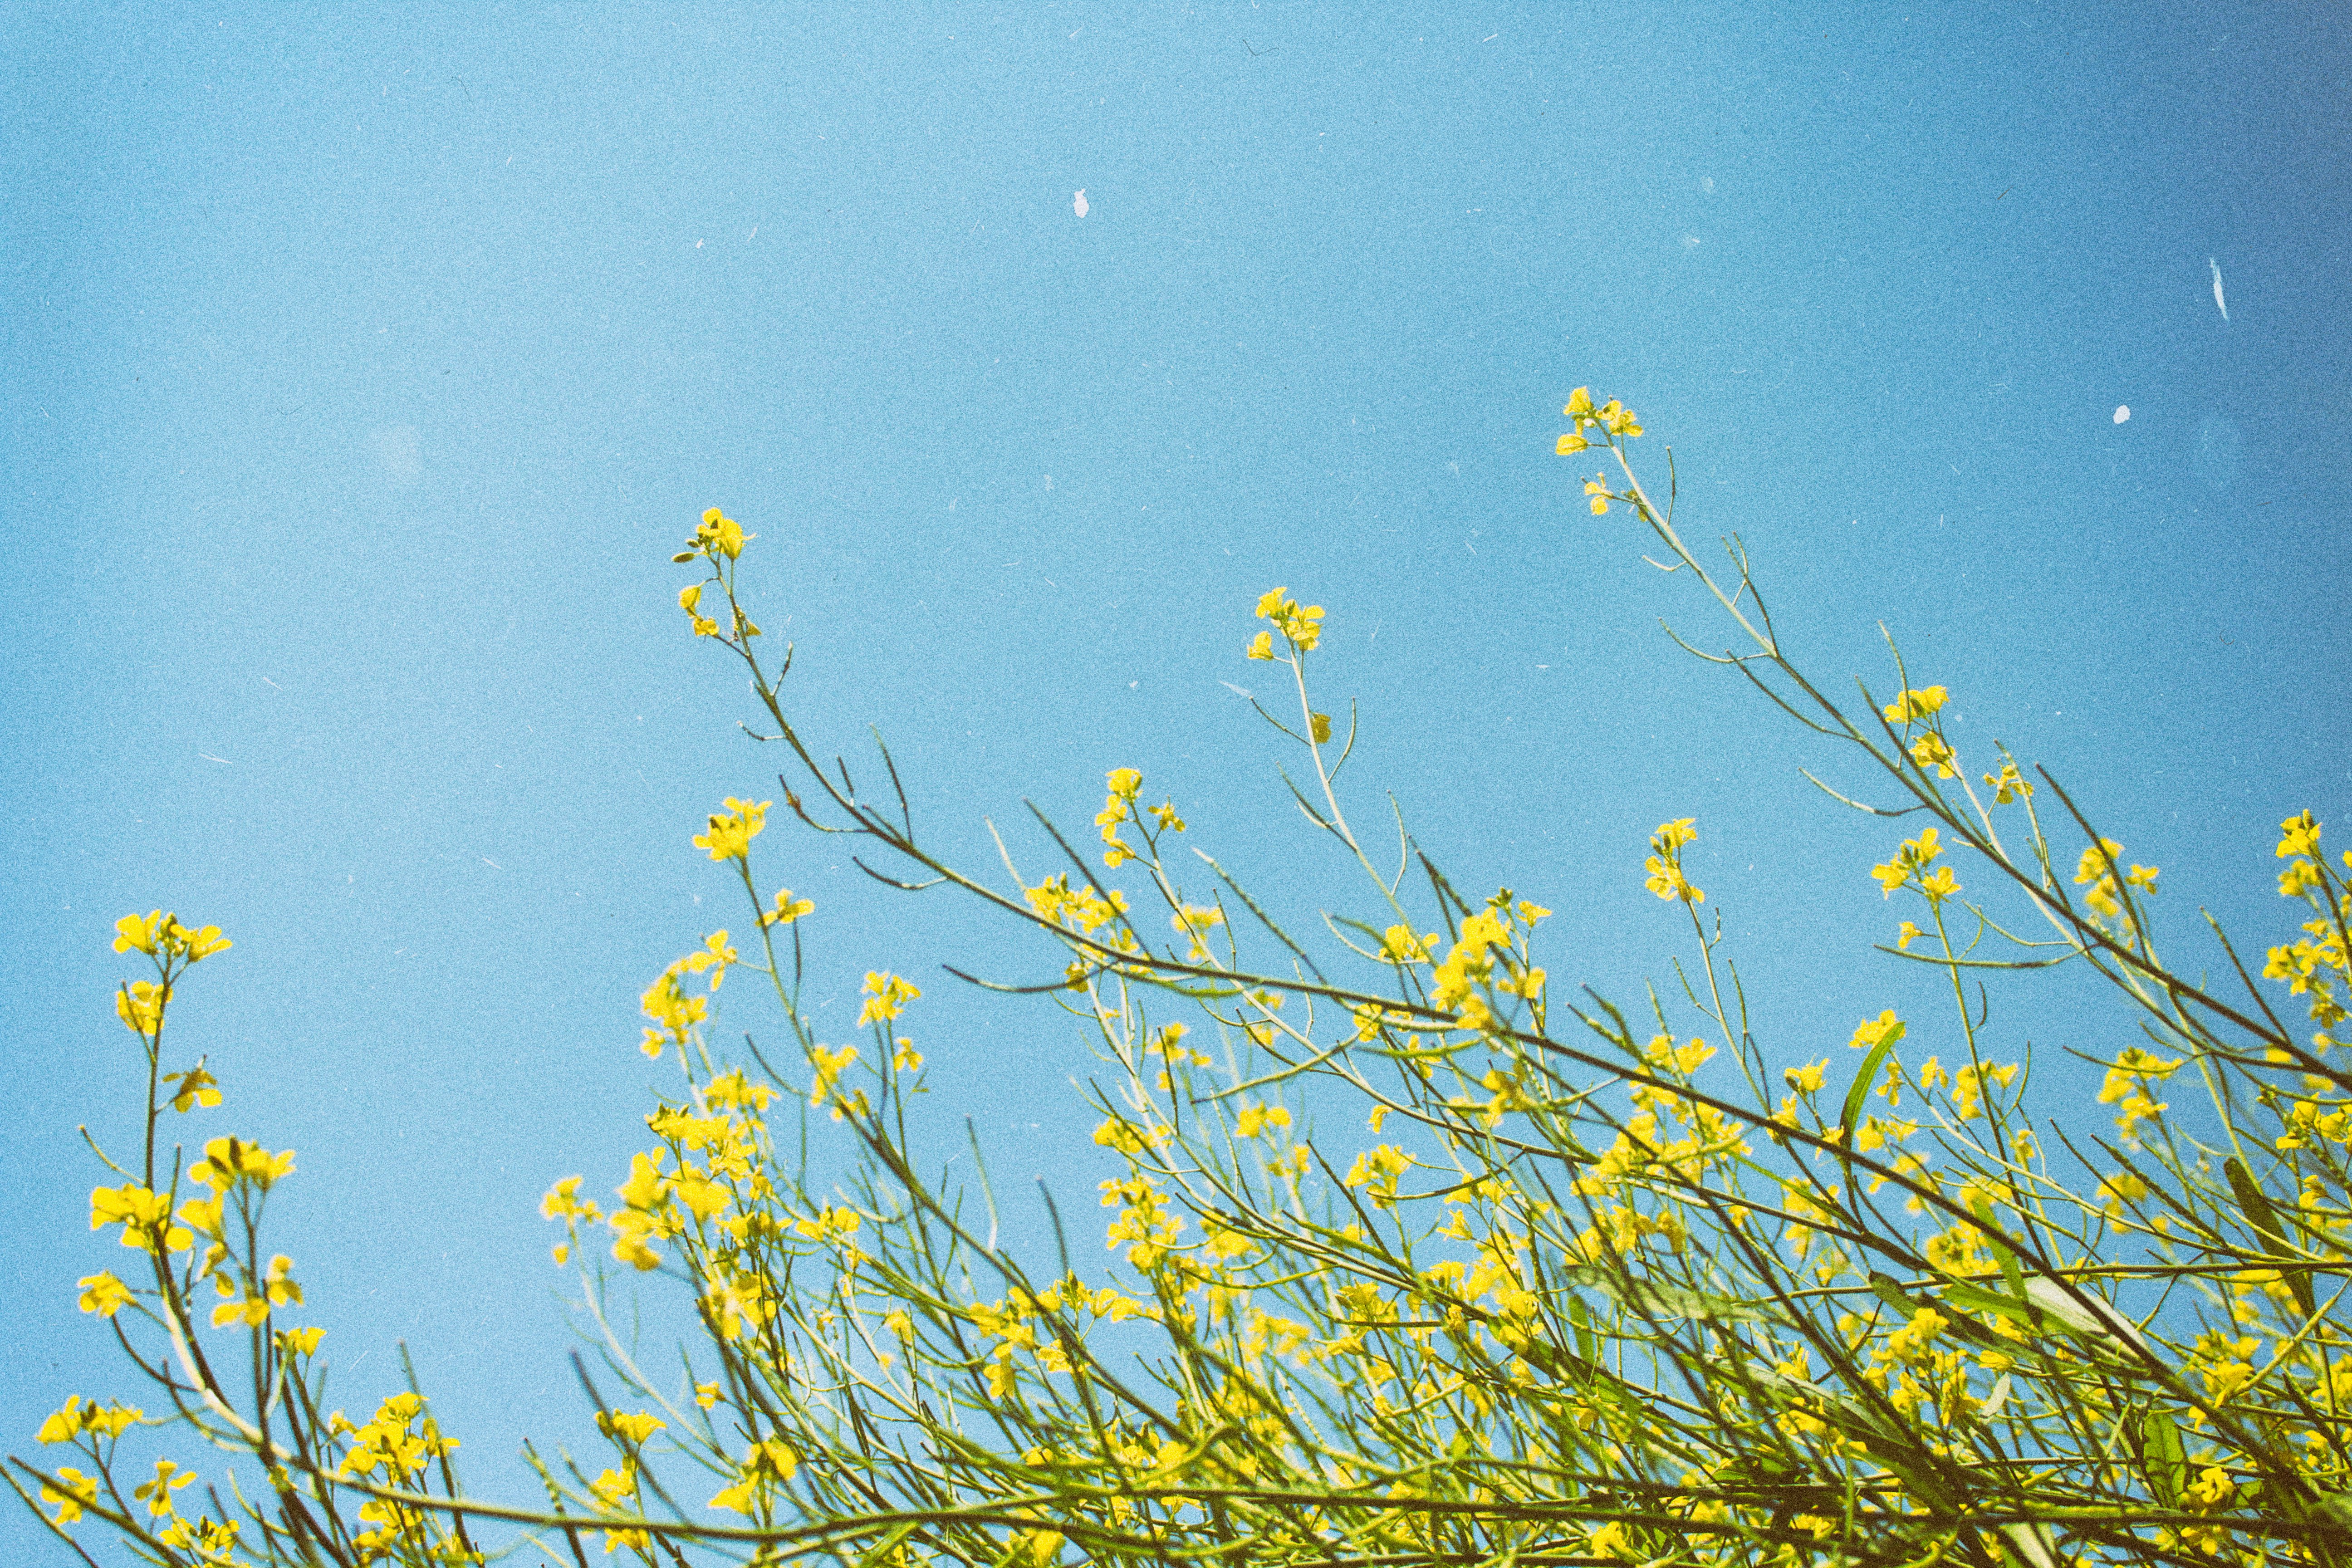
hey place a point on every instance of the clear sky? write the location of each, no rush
(362, 373)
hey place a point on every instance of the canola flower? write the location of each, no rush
(1574, 1286)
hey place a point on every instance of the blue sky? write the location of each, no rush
(362, 373)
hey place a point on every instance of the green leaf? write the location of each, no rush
(2014, 1277)
(1851, 1115)
(2252, 1200)
(2162, 1460)
(2256, 1207)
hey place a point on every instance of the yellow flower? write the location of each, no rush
(731, 832)
(1597, 490)
(1910, 706)
(1668, 882)
(1399, 945)
(102, 1293)
(715, 956)
(788, 909)
(646, 1186)
(2297, 835)
(886, 996)
(1911, 858)
(2008, 784)
(229, 1160)
(141, 1004)
(722, 534)
(830, 1065)
(196, 1087)
(1320, 726)
(629, 1428)
(1870, 1031)
(1807, 1079)
(1300, 625)
(1569, 445)
(1256, 1119)
(1932, 751)
(143, 933)
(144, 1216)
(157, 1494)
(689, 597)
(80, 1490)
(1666, 877)
(278, 1283)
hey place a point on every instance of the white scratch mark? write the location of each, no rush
(2217, 300)
(1079, 206)
(492, 864)
(210, 758)
(2123, 412)
(1236, 691)
(271, 684)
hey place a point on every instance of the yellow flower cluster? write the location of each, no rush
(1612, 418)
(79, 1417)
(2096, 870)
(717, 535)
(766, 1468)
(1084, 911)
(161, 935)
(1909, 866)
(1301, 627)
(886, 996)
(1488, 954)
(1144, 1219)
(252, 1308)
(1120, 807)
(395, 1442)
(1910, 706)
(2315, 964)
(1664, 863)
(732, 831)
(2129, 1078)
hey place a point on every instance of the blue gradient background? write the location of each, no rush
(362, 373)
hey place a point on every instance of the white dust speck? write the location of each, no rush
(1236, 691)
(2217, 300)
(1690, 242)
(2123, 412)
(397, 454)
(1708, 184)
(1049, 481)
(222, 761)
(1079, 206)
